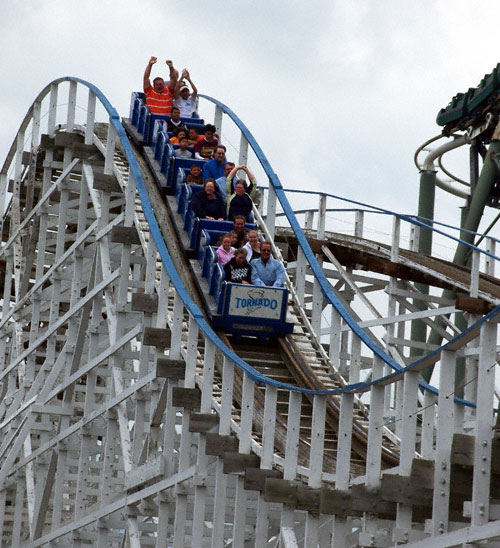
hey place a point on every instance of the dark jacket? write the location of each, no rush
(236, 273)
(203, 207)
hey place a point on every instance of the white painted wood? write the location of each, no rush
(291, 451)
(268, 431)
(218, 120)
(320, 231)
(444, 438)
(240, 510)
(375, 427)
(311, 537)
(243, 153)
(220, 502)
(91, 110)
(484, 424)
(70, 120)
(271, 211)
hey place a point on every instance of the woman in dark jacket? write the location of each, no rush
(208, 204)
(238, 270)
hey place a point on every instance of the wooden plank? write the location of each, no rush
(189, 398)
(462, 450)
(369, 500)
(308, 499)
(255, 478)
(142, 302)
(280, 490)
(203, 422)
(237, 463)
(125, 235)
(67, 139)
(170, 369)
(217, 445)
(472, 305)
(108, 183)
(402, 490)
(84, 152)
(46, 141)
(337, 502)
(156, 336)
(422, 473)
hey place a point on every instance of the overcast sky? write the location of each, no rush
(339, 94)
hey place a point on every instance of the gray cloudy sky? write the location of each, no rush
(339, 94)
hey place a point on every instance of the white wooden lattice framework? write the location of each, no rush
(123, 422)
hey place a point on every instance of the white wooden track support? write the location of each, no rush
(126, 422)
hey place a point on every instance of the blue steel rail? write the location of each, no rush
(191, 306)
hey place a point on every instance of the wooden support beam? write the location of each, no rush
(280, 490)
(142, 302)
(335, 501)
(472, 305)
(218, 445)
(189, 398)
(125, 235)
(108, 183)
(308, 499)
(84, 152)
(46, 141)
(174, 370)
(203, 422)
(368, 500)
(255, 478)
(237, 463)
(64, 139)
(156, 336)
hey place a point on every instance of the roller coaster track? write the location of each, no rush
(125, 420)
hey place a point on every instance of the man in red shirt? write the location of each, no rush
(160, 97)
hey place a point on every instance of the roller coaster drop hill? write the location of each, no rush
(140, 407)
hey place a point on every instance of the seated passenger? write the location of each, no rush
(193, 136)
(159, 97)
(239, 195)
(214, 168)
(221, 181)
(204, 149)
(225, 251)
(182, 151)
(240, 231)
(208, 204)
(253, 245)
(234, 238)
(179, 134)
(238, 270)
(184, 100)
(194, 177)
(267, 271)
(174, 122)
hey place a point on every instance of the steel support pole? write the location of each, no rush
(486, 180)
(426, 201)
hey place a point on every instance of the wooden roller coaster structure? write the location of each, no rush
(126, 420)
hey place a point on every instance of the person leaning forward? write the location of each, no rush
(159, 97)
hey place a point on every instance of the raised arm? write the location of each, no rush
(147, 73)
(179, 84)
(173, 74)
(188, 78)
